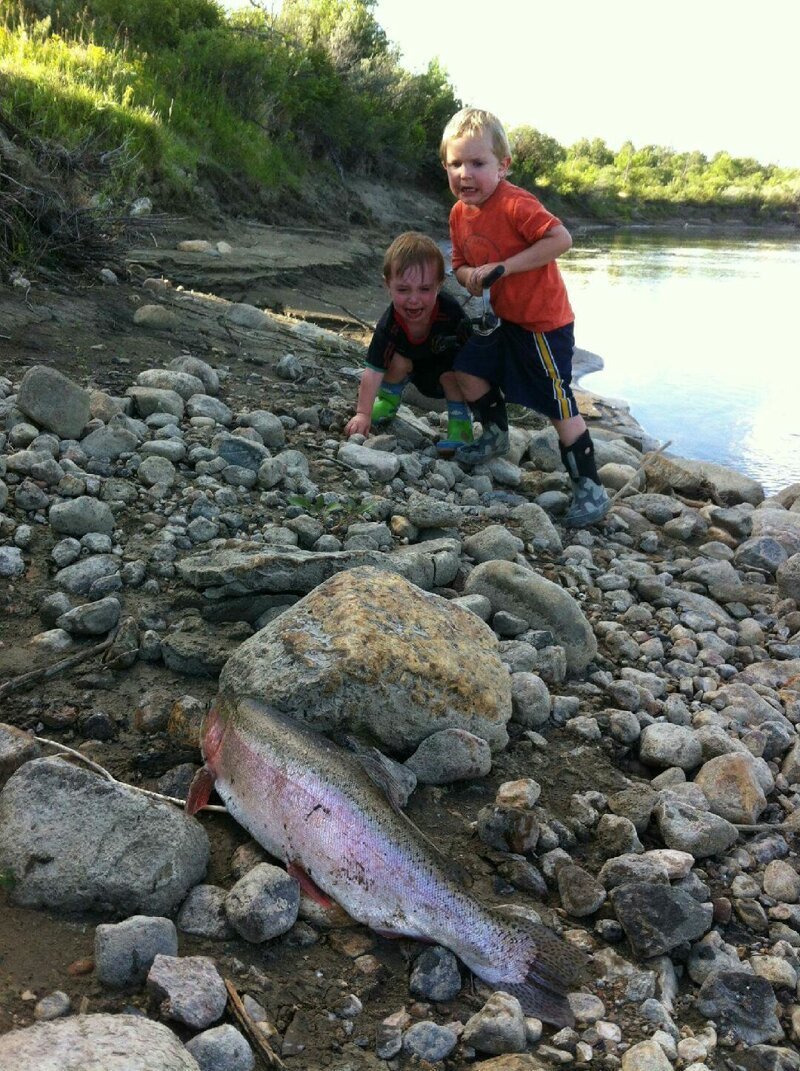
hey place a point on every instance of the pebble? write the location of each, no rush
(203, 913)
(53, 1006)
(189, 989)
(222, 1048)
(124, 951)
(263, 904)
(499, 1027)
(429, 1041)
(435, 975)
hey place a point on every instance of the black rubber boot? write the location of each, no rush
(590, 502)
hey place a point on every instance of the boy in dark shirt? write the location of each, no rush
(416, 339)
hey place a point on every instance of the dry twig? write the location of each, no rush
(110, 777)
(640, 469)
(18, 684)
(247, 1023)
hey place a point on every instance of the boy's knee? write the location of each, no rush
(399, 367)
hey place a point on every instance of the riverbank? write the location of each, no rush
(636, 685)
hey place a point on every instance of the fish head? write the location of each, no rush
(213, 731)
(211, 736)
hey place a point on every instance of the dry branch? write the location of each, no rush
(110, 777)
(249, 1025)
(25, 680)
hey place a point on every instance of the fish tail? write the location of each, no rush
(543, 1003)
(549, 968)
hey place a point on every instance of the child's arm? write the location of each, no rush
(550, 246)
(367, 393)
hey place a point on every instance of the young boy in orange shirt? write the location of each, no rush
(415, 339)
(528, 359)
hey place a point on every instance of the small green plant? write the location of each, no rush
(7, 880)
(334, 515)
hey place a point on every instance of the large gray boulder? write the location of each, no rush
(182, 383)
(79, 577)
(111, 441)
(540, 602)
(148, 400)
(378, 464)
(195, 367)
(74, 841)
(366, 650)
(95, 1043)
(53, 401)
(702, 479)
(788, 578)
(78, 516)
(781, 524)
(231, 572)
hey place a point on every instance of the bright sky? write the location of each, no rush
(688, 74)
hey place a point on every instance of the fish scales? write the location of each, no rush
(360, 846)
(310, 804)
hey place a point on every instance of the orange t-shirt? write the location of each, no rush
(508, 222)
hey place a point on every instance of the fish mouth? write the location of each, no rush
(212, 732)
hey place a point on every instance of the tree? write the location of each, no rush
(536, 155)
(595, 151)
(346, 30)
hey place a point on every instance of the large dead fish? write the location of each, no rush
(311, 805)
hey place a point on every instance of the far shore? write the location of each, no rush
(700, 227)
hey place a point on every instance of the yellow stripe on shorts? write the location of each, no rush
(549, 365)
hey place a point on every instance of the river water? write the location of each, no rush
(701, 337)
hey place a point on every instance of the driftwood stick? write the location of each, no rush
(249, 1025)
(640, 469)
(76, 754)
(25, 680)
(110, 777)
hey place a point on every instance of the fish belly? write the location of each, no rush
(369, 873)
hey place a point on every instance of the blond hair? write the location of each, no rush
(473, 123)
(412, 250)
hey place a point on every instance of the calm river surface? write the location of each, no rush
(701, 337)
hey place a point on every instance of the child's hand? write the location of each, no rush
(358, 425)
(477, 275)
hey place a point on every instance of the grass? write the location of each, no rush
(142, 118)
(86, 124)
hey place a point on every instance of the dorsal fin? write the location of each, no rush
(381, 772)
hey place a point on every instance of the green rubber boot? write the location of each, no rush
(385, 407)
(459, 430)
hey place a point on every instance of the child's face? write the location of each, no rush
(473, 170)
(414, 292)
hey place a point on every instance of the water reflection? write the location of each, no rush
(702, 338)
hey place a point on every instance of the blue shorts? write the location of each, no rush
(531, 368)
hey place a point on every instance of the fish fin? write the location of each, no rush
(554, 966)
(309, 887)
(379, 770)
(200, 790)
(544, 1004)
